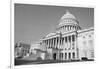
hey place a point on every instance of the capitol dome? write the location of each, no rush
(68, 22)
(68, 15)
(68, 18)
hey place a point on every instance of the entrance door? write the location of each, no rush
(54, 56)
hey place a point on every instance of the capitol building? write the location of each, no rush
(69, 41)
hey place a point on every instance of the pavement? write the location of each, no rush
(34, 62)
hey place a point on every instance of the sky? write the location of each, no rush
(32, 22)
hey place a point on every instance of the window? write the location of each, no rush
(69, 55)
(62, 56)
(73, 55)
(65, 55)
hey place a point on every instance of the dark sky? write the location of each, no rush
(32, 22)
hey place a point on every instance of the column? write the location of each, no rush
(43, 44)
(67, 55)
(46, 43)
(50, 43)
(67, 28)
(75, 42)
(75, 47)
(64, 28)
(59, 43)
(55, 42)
(68, 42)
(64, 43)
(71, 42)
(70, 27)
(64, 56)
(73, 27)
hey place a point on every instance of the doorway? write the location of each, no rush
(54, 56)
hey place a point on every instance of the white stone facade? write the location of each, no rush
(86, 43)
(68, 42)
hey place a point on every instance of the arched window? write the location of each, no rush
(62, 56)
(65, 55)
(73, 55)
(69, 55)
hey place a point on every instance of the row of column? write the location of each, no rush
(68, 28)
(68, 42)
(67, 56)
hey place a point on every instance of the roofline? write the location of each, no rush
(85, 30)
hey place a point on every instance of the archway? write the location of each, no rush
(84, 58)
(54, 56)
